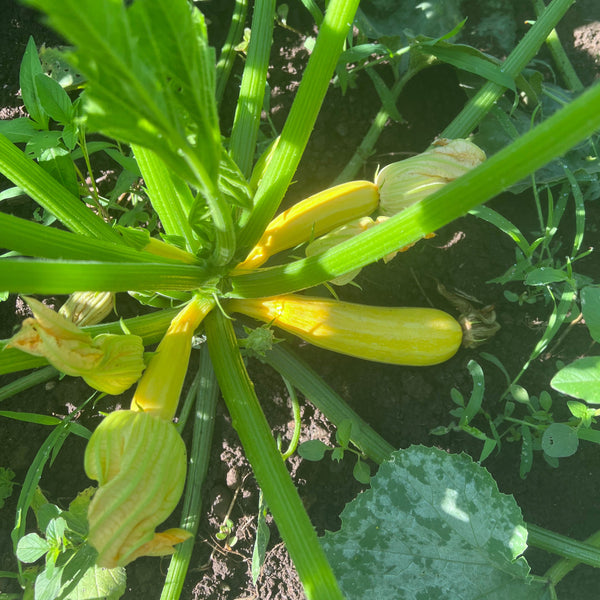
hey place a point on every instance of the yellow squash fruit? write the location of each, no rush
(158, 390)
(401, 336)
(312, 218)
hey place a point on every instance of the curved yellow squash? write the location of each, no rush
(400, 336)
(313, 217)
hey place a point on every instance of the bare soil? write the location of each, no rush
(402, 404)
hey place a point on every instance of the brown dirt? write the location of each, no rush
(402, 404)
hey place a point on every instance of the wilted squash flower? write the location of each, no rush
(139, 459)
(109, 363)
(405, 182)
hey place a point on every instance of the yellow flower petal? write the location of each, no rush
(139, 461)
(109, 363)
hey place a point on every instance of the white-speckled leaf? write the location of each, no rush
(433, 526)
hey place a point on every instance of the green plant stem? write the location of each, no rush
(300, 121)
(367, 145)
(561, 59)
(207, 394)
(466, 121)
(51, 195)
(28, 381)
(565, 565)
(33, 239)
(297, 420)
(227, 56)
(63, 277)
(246, 122)
(269, 468)
(551, 138)
(307, 381)
(579, 552)
(171, 201)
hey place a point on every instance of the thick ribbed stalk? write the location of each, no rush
(228, 53)
(207, 394)
(252, 90)
(269, 468)
(51, 195)
(301, 120)
(33, 239)
(563, 545)
(171, 201)
(63, 277)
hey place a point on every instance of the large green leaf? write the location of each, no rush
(580, 379)
(433, 525)
(150, 77)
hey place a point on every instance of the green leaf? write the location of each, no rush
(313, 450)
(152, 88)
(45, 513)
(361, 472)
(31, 547)
(56, 531)
(56, 161)
(590, 306)
(76, 516)
(580, 379)
(433, 525)
(344, 433)
(100, 584)
(6, 484)
(30, 69)
(263, 533)
(18, 130)
(471, 60)
(560, 440)
(526, 452)
(545, 276)
(53, 98)
(48, 583)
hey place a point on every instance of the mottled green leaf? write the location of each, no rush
(433, 525)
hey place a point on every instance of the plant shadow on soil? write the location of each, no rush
(402, 404)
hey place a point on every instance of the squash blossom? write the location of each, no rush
(87, 308)
(139, 459)
(109, 363)
(403, 183)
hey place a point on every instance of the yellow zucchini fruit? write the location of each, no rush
(313, 217)
(400, 336)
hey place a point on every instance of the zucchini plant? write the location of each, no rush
(153, 83)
